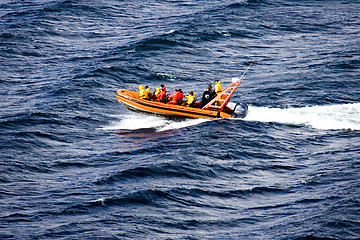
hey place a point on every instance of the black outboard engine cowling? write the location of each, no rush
(240, 110)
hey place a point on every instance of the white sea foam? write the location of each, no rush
(135, 121)
(332, 117)
(186, 123)
(171, 31)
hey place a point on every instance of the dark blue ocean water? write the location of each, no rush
(76, 164)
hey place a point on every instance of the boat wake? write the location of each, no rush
(139, 122)
(332, 117)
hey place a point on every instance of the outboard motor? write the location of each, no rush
(240, 110)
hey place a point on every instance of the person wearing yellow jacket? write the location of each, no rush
(142, 92)
(157, 91)
(190, 99)
(218, 87)
(147, 92)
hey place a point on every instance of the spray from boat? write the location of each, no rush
(330, 117)
(140, 122)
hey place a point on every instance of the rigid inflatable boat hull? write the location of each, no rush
(132, 101)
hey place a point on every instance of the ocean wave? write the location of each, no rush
(28, 118)
(165, 170)
(184, 196)
(69, 164)
(74, 158)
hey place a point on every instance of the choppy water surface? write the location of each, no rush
(76, 164)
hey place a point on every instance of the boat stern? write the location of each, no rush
(238, 110)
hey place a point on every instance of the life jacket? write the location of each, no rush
(157, 91)
(142, 92)
(190, 99)
(147, 93)
(176, 97)
(172, 98)
(162, 94)
(180, 96)
(155, 94)
(218, 88)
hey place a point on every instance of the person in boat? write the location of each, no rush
(181, 96)
(218, 87)
(147, 92)
(155, 95)
(142, 92)
(190, 99)
(176, 97)
(207, 96)
(162, 94)
(172, 96)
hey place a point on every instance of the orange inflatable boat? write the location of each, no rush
(219, 107)
(216, 108)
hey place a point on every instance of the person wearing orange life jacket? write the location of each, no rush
(190, 99)
(180, 97)
(162, 94)
(147, 92)
(142, 92)
(176, 97)
(172, 97)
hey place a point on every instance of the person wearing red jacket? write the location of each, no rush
(176, 97)
(162, 94)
